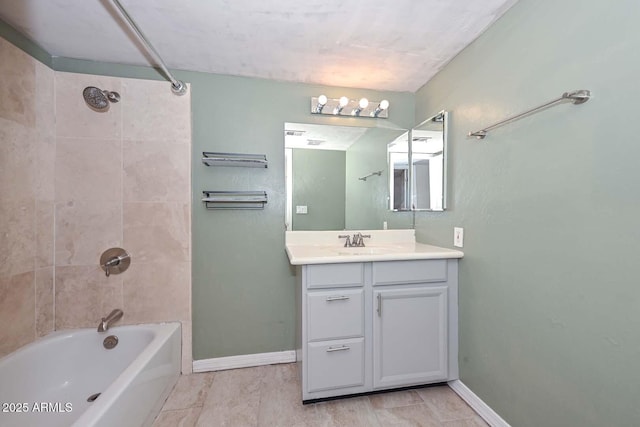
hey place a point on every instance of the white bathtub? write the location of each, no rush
(47, 382)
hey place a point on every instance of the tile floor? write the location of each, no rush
(270, 396)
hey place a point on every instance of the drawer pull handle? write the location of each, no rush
(339, 298)
(379, 305)
(341, 348)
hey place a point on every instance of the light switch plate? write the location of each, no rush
(301, 210)
(458, 236)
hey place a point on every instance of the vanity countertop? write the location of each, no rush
(324, 247)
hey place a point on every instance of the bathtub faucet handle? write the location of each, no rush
(114, 261)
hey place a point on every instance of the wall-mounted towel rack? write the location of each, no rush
(576, 97)
(234, 159)
(364, 178)
(234, 199)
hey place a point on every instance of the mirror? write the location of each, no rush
(420, 187)
(337, 177)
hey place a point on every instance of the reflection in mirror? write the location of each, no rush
(325, 166)
(428, 164)
(399, 195)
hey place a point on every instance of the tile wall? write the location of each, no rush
(27, 148)
(96, 180)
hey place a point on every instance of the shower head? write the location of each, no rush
(97, 99)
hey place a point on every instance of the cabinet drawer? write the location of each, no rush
(420, 271)
(335, 275)
(335, 314)
(335, 364)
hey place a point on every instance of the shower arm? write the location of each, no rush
(177, 86)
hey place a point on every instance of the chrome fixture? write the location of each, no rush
(112, 317)
(364, 178)
(177, 86)
(575, 97)
(342, 102)
(384, 104)
(356, 241)
(362, 104)
(98, 99)
(322, 101)
(114, 261)
(110, 342)
(349, 107)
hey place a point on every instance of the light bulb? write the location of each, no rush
(384, 104)
(322, 100)
(364, 102)
(344, 101)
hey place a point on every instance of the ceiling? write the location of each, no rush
(395, 45)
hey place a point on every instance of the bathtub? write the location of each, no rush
(48, 382)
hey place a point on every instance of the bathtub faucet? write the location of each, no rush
(113, 317)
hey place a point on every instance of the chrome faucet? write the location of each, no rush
(357, 241)
(113, 317)
(347, 243)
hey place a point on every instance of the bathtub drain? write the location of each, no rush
(93, 397)
(110, 342)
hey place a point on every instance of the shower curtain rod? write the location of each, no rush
(576, 97)
(177, 86)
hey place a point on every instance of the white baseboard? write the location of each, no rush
(484, 410)
(244, 361)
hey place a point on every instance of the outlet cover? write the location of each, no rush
(301, 210)
(458, 236)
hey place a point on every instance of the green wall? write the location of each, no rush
(318, 183)
(549, 295)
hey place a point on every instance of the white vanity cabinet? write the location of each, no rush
(366, 326)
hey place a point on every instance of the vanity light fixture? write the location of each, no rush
(384, 104)
(346, 107)
(362, 104)
(341, 104)
(322, 101)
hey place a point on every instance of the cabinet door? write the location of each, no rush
(409, 336)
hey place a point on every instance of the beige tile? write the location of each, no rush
(413, 415)
(88, 169)
(45, 101)
(187, 345)
(157, 232)
(233, 399)
(85, 229)
(281, 399)
(17, 161)
(17, 85)
(445, 403)
(157, 171)
(354, 411)
(393, 399)
(45, 168)
(17, 237)
(157, 292)
(44, 301)
(467, 422)
(74, 118)
(44, 233)
(178, 418)
(190, 390)
(84, 295)
(17, 308)
(152, 112)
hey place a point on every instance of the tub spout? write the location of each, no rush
(113, 317)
